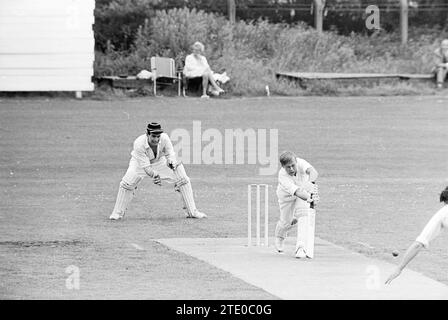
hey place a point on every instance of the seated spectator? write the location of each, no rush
(196, 65)
(441, 63)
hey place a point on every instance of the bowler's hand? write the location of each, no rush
(395, 274)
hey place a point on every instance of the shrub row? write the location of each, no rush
(252, 52)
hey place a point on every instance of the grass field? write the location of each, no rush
(382, 164)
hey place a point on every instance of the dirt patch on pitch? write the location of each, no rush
(51, 244)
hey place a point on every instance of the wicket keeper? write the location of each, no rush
(153, 155)
(295, 191)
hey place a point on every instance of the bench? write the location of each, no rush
(132, 82)
(193, 85)
(302, 77)
(124, 82)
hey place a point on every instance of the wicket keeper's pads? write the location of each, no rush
(305, 230)
(185, 189)
(124, 197)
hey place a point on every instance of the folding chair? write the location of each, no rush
(164, 71)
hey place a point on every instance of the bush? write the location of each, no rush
(252, 52)
(171, 34)
(117, 21)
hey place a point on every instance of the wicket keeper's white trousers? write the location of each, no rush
(133, 176)
(289, 205)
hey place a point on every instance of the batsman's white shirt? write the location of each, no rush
(143, 157)
(287, 186)
(434, 226)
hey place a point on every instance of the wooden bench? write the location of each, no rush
(302, 77)
(132, 82)
(128, 82)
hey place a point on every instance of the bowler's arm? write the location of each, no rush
(430, 231)
(410, 254)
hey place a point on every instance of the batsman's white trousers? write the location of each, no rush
(289, 207)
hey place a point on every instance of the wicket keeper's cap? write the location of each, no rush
(154, 127)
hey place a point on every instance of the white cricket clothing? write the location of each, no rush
(144, 160)
(124, 198)
(289, 203)
(288, 185)
(142, 157)
(195, 66)
(300, 253)
(434, 226)
(185, 190)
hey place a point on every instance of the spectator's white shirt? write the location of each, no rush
(434, 226)
(288, 185)
(144, 155)
(195, 66)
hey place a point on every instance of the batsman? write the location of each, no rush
(153, 155)
(297, 193)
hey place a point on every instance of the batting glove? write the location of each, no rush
(171, 164)
(157, 180)
(310, 199)
(315, 188)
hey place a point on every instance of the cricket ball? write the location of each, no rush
(395, 253)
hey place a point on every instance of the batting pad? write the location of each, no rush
(281, 230)
(124, 197)
(305, 230)
(185, 190)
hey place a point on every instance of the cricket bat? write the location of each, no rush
(305, 229)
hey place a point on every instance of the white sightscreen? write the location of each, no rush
(46, 45)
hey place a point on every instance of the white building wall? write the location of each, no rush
(46, 45)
